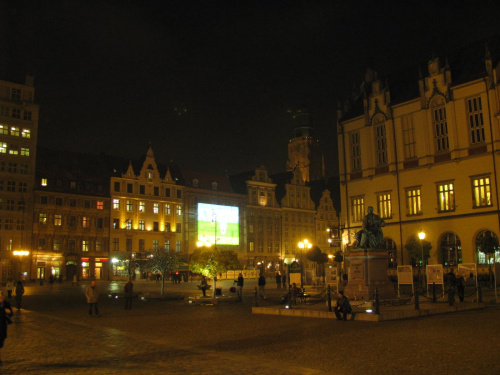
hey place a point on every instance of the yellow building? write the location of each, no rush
(147, 211)
(18, 137)
(423, 152)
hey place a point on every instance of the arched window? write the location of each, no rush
(481, 257)
(451, 250)
(392, 253)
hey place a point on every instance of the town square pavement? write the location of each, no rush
(54, 334)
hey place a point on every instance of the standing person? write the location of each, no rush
(51, 280)
(129, 294)
(204, 284)
(262, 284)
(4, 319)
(239, 287)
(461, 287)
(92, 295)
(283, 279)
(451, 282)
(10, 287)
(342, 306)
(19, 294)
(278, 280)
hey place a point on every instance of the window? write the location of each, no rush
(71, 245)
(141, 245)
(408, 137)
(72, 202)
(85, 245)
(413, 202)
(42, 218)
(251, 246)
(490, 257)
(117, 186)
(178, 227)
(3, 148)
(476, 124)
(440, 124)
(355, 152)
(155, 226)
(130, 205)
(167, 209)
(446, 197)
(72, 221)
(380, 139)
(57, 244)
(26, 133)
(179, 210)
(167, 192)
(14, 131)
(116, 223)
(15, 94)
(100, 223)
(86, 204)
(41, 244)
(269, 247)
(12, 168)
(25, 151)
(250, 228)
(142, 206)
(85, 222)
(100, 205)
(19, 224)
(57, 220)
(22, 187)
(481, 194)
(10, 205)
(99, 246)
(179, 193)
(156, 191)
(23, 168)
(128, 224)
(116, 204)
(178, 246)
(43, 199)
(116, 244)
(155, 245)
(451, 250)
(4, 129)
(358, 208)
(130, 188)
(167, 227)
(11, 186)
(142, 189)
(156, 208)
(59, 201)
(142, 225)
(128, 244)
(384, 205)
(167, 245)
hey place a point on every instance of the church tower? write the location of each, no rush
(304, 150)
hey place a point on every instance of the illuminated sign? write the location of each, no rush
(218, 224)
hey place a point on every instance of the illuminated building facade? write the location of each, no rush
(422, 149)
(18, 140)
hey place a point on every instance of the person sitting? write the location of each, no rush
(343, 306)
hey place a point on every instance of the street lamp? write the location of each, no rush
(421, 235)
(20, 254)
(305, 244)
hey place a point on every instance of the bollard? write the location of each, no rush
(377, 302)
(329, 298)
(479, 294)
(434, 299)
(417, 302)
(256, 294)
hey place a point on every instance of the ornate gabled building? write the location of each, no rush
(422, 148)
(18, 143)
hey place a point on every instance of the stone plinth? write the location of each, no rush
(367, 272)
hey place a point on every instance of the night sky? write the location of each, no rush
(211, 83)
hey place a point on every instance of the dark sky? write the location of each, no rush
(210, 83)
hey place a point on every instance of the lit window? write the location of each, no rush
(167, 245)
(42, 218)
(481, 192)
(57, 220)
(167, 209)
(142, 206)
(4, 129)
(130, 205)
(116, 204)
(384, 205)
(14, 131)
(142, 225)
(156, 208)
(3, 148)
(25, 151)
(57, 244)
(178, 246)
(128, 224)
(44, 182)
(358, 208)
(446, 197)
(155, 245)
(100, 205)
(85, 245)
(26, 133)
(179, 210)
(14, 150)
(99, 246)
(413, 201)
(85, 222)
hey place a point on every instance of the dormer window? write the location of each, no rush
(44, 182)
(150, 175)
(195, 182)
(214, 185)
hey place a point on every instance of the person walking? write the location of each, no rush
(262, 285)
(129, 294)
(4, 319)
(278, 280)
(204, 285)
(10, 287)
(239, 287)
(92, 295)
(342, 306)
(19, 294)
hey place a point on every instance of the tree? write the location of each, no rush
(129, 263)
(162, 262)
(414, 248)
(319, 258)
(487, 243)
(212, 263)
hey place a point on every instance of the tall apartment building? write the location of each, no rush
(422, 148)
(18, 140)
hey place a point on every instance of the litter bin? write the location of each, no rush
(218, 291)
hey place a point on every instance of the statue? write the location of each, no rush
(371, 235)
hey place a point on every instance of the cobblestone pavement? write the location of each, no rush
(55, 335)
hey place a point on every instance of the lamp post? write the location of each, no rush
(421, 236)
(20, 254)
(305, 244)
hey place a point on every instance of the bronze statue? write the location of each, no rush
(371, 235)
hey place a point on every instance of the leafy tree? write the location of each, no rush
(319, 258)
(162, 262)
(128, 262)
(414, 248)
(488, 244)
(212, 263)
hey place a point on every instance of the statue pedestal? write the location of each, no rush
(367, 272)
